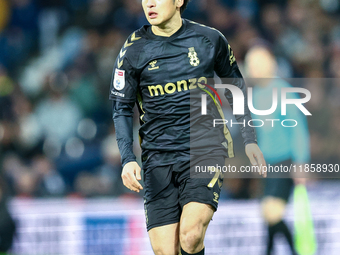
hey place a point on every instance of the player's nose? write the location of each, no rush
(150, 3)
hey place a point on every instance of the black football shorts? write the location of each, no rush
(279, 187)
(168, 188)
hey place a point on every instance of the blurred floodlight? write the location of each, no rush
(87, 129)
(58, 81)
(33, 76)
(30, 131)
(330, 5)
(52, 147)
(74, 147)
(2, 132)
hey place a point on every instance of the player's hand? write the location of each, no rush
(298, 181)
(256, 157)
(131, 175)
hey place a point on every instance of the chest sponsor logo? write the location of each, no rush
(192, 55)
(183, 85)
(119, 79)
(153, 65)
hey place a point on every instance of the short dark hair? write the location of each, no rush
(184, 6)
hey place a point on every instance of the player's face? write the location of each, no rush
(160, 12)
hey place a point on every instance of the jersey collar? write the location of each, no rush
(148, 32)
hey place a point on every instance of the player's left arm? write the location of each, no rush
(226, 67)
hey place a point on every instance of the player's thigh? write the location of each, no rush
(162, 209)
(203, 188)
(161, 202)
(165, 239)
(195, 219)
(199, 200)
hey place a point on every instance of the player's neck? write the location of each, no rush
(169, 28)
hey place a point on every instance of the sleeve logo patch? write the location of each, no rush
(119, 79)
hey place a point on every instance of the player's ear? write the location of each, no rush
(179, 3)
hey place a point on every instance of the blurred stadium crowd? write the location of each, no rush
(56, 59)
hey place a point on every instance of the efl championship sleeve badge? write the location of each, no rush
(119, 79)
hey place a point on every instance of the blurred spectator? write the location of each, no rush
(8, 127)
(7, 224)
(29, 132)
(24, 16)
(22, 178)
(51, 17)
(57, 115)
(130, 16)
(112, 167)
(50, 182)
(18, 38)
(100, 14)
(4, 14)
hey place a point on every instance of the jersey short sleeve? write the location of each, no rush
(124, 81)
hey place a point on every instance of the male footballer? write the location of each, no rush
(165, 67)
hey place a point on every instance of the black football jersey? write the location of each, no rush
(166, 76)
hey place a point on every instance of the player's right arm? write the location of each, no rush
(123, 120)
(123, 91)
